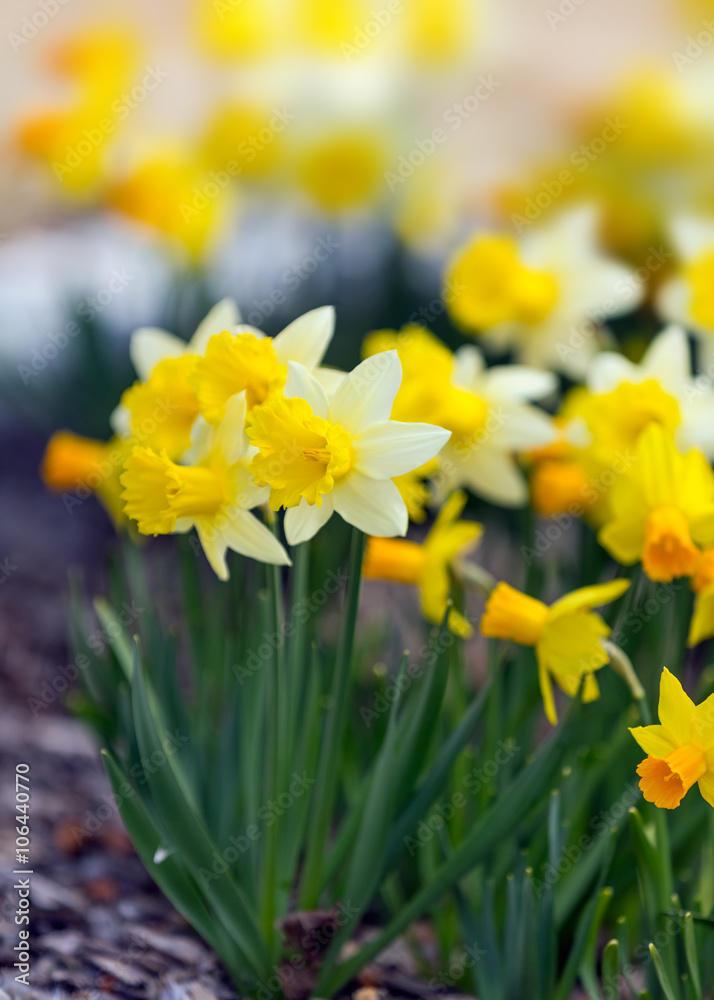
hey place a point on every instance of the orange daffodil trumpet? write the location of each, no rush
(429, 565)
(214, 494)
(680, 750)
(319, 455)
(662, 508)
(567, 636)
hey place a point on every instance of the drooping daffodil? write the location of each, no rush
(567, 635)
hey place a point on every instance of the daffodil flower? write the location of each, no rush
(245, 360)
(321, 455)
(74, 464)
(567, 636)
(702, 624)
(661, 508)
(168, 401)
(485, 409)
(680, 750)
(659, 389)
(214, 494)
(688, 296)
(428, 565)
(538, 294)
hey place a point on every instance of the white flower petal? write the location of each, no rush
(223, 316)
(304, 521)
(667, 359)
(494, 475)
(468, 365)
(608, 369)
(392, 448)
(692, 236)
(375, 506)
(201, 442)
(522, 427)
(366, 395)
(329, 378)
(301, 383)
(672, 301)
(250, 537)
(120, 421)
(518, 383)
(307, 338)
(149, 345)
(214, 547)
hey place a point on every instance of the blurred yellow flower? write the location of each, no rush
(74, 464)
(680, 750)
(174, 193)
(702, 623)
(661, 508)
(543, 294)
(567, 636)
(238, 29)
(343, 170)
(428, 565)
(415, 491)
(245, 135)
(438, 31)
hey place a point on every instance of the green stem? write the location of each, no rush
(327, 778)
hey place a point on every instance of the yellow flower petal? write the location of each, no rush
(654, 740)
(587, 598)
(675, 707)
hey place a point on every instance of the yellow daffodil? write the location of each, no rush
(171, 191)
(702, 624)
(245, 360)
(438, 31)
(74, 140)
(660, 389)
(680, 750)
(214, 494)
(320, 455)
(538, 293)
(343, 170)
(486, 411)
(428, 565)
(661, 508)
(243, 140)
(74, 464)
(162, 411)
(247, 30)
(567, 636)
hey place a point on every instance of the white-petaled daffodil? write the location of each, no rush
(543, 294)
(688, 296)
(320, 455)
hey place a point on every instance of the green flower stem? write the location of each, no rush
(325, 791)
(471, 575)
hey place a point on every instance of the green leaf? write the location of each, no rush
(664, 980)
(188, 834)
(690, 950)
(116, 633)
